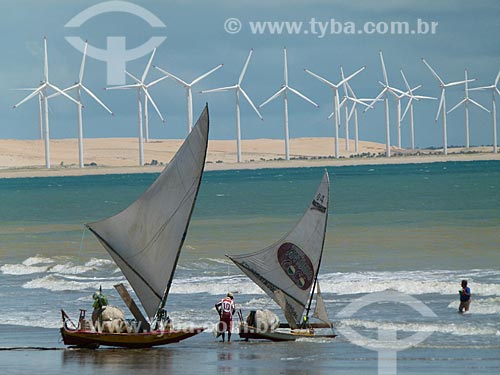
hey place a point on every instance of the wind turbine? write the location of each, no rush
(78, 86)
(237, 90)
(336, 105)
(384, 93)
(284, 91)
(465, 101)
(351, 96)
(142, 88)
(494, 90)
(189, 94)
(42, 93)
(442, 102)
(409, 107)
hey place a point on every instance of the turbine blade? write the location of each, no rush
(82, 66)
(55, 88)
(245, 67)
(167, 74)
(457, 105)
(418, 97)
(407, 108)
(351, 112)
(482, 88)
(351, 76)
(433, 72)
(203, 76)
(497, 79)
(376, 99)
(93, 96)
(458, 83)
(219, 89)
(34, 93)
(65, 90)
(123, 87)
(384, 71)
(358, 101)
(344, 100)
(303, 96)
(133, 77)
(274, 96)
(285, 63)
(146, 93)
(406, 82)
(251, 103)
(143, 78)
(45, 60)
(156, 81)
(479, 105)
(441, 101)
(321, 79)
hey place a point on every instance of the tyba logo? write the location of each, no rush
(296, 265)
(116, 55)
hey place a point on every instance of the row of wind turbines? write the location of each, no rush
(47, 90)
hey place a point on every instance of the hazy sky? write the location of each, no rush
(466, 36)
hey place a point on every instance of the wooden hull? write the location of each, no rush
(247, 333)
(90, 339)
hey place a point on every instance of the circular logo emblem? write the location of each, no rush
(296, 264)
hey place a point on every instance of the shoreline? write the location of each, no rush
(33, 172)
(24, 159)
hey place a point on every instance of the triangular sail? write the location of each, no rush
(320, 309)
(145, 239)
(287, 270)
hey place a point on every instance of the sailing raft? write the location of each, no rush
(145, 241)
(288, 272)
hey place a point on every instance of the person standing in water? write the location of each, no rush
(226, 308)
(464, 297)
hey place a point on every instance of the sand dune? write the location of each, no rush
(20, 158)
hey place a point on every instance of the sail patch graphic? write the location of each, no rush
(296, 264)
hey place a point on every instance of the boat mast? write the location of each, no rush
(169, 284)
(321, 254)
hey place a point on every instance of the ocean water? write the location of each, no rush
(412, 230)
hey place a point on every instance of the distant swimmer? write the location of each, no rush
(464, 297)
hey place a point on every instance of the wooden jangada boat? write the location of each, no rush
(145, 241)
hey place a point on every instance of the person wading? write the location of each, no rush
(464, 297)
(226, 308)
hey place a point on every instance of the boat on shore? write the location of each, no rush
(145, 241)
(287, 271)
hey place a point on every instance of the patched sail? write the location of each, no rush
(287, 270)
(145, 239)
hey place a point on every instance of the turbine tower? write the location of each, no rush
(494, 90)
(188, 87)
(42, 92)
(78, 87)
(465, 101)
(336, 104)
(142, 89)
(237, 90)
(442, 102)
(284, 91)
(409, 107)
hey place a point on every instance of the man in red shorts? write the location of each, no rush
(226, 308)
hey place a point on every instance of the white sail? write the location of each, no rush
(320, 309)
(287, 270)
(145, 239)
